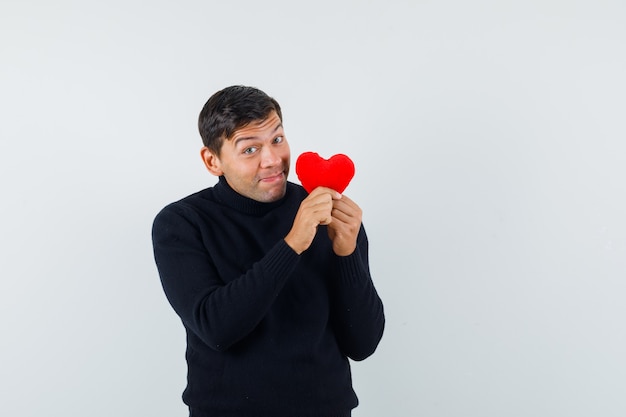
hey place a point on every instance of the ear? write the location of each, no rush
(211, 161)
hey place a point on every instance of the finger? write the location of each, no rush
(347, 199)
(325, 190)
(315, 201)
(319, 210)
(347, 207)
(341, 216)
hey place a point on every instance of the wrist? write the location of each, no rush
(297, 249)
(344, 251)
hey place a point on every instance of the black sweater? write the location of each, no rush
(269, 332)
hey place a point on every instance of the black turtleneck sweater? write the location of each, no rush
(269, 332)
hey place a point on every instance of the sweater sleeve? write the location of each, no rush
(219, 314)
(357, 310)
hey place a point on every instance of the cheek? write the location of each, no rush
(249, 170)
(241, 171)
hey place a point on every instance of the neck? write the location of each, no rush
(236, 201)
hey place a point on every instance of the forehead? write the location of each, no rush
(270, 124)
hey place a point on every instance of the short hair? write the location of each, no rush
(231, 109)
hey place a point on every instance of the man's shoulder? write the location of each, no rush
(188, 204)
(198, 197)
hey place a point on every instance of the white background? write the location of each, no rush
(489, 140)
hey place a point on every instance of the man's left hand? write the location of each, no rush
(344, 227)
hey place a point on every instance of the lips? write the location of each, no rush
(274, 177)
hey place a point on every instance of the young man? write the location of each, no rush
(272, 284)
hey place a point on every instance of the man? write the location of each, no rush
(272, 284)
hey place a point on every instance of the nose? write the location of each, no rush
(269, 157)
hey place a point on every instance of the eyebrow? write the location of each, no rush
(278, 126)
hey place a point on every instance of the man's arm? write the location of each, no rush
(358, 315)
(220, 314)
(357, 312)
(356, 309)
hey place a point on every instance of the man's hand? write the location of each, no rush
(314, 210)
(344, 227)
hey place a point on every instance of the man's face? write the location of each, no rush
(255, 160)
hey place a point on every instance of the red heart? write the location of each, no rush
(315, 171)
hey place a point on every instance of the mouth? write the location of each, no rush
(274, 177)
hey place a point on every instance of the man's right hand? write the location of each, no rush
(314, 210)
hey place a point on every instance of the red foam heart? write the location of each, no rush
(315, 171)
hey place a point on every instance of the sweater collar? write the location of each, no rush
(231, 198)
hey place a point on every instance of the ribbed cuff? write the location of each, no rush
(351, 269)
(281, 260)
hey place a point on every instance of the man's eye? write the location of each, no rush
(278, 139)
(250, 150)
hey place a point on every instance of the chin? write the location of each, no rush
(275, 194)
